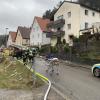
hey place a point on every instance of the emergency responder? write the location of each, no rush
(25, 57)
(31, 55)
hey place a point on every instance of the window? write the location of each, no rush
(69, 26)
(69, 14)
(60, 17)
(93, 13)
(37, 28)
(86, 12)
(86, 25)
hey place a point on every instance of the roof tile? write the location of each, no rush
(13, 35)
(42, 23)
(25, 32)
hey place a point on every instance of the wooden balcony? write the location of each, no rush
(59, 33)
(56, 24)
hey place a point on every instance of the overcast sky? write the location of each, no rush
(14, 13)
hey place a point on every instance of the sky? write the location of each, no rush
(14, 13)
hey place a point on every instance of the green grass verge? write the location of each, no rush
(16, 76)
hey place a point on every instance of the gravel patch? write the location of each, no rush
(54, 96)
(35, 94)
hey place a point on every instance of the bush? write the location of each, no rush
(66, 49)
(44, 49)
(54, 49)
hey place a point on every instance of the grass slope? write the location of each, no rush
(16, 76)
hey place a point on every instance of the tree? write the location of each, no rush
(59, 4)
(47, 14)
(95, 4)
(3, 39)
(50, 13)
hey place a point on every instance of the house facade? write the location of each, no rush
(23, 36)
(11, 38)
(76, 16)
(38, 32)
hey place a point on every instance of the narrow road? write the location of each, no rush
(77, 83)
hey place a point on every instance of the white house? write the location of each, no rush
(75, 17)
(38, 32)
(11, 38)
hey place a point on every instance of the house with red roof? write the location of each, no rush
(11, 38)
(23, 36)
(38, 32)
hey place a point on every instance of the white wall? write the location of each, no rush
(88, 18)
(73, 20)
(37, 37)
(45, 40)
(36, 34)
(19, 40)
(77, 19)
(9, 42)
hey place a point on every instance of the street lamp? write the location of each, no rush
(6, 36)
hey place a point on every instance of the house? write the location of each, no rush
(11, 38)
(69, 19)
(38, 32)
(23, 36)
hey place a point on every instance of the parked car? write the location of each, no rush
(96, 70)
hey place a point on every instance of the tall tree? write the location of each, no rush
(47, 14)
(50, 13)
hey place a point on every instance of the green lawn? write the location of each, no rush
(16, 76)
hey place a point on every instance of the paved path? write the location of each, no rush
(77, 83)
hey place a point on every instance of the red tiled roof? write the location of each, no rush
(42, 23)
(13, 35)
(25, 32)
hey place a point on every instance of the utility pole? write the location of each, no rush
(6, 36)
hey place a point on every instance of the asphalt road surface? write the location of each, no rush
(75, 82)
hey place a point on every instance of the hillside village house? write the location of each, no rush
(38, 32)
(23, 36)
(70, 19)
(11, 38)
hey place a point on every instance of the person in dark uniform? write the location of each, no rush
(25, 55)
(32, 54)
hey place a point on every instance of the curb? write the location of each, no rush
(76, 65)
(71, 63)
